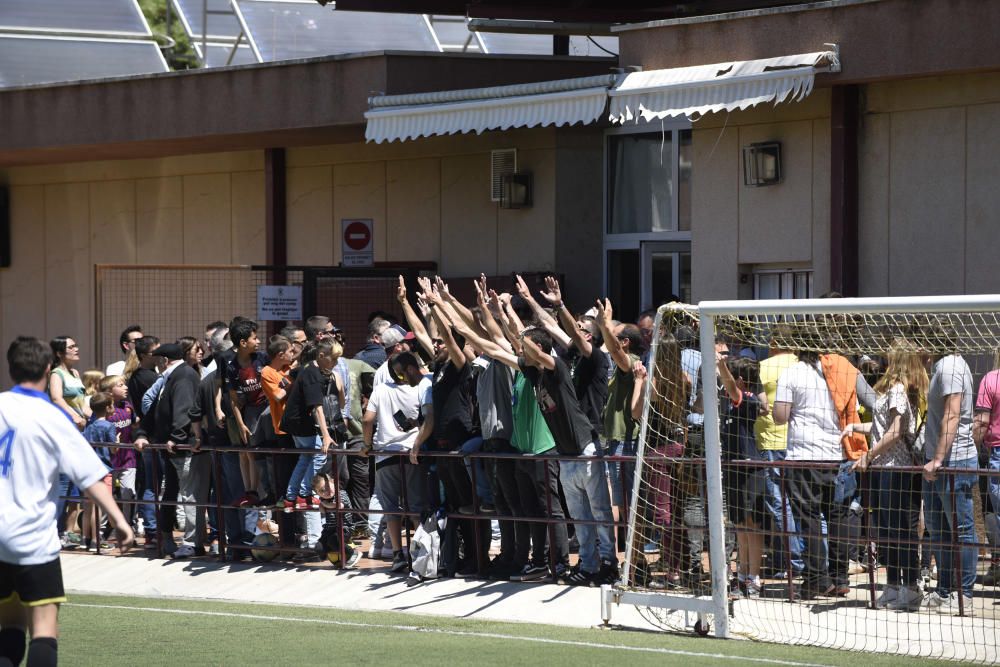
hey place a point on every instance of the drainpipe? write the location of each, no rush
(844, 241)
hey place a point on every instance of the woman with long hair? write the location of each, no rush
(67, 392)
(986, 433)
(895, 429)
(666, 436)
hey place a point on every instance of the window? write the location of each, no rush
(647, 227)
(782, 284)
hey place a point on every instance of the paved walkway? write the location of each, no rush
(367, 589)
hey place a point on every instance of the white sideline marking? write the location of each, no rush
(457, 633)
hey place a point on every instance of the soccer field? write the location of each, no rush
(99, 630)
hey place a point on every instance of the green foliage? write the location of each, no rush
(182, 55)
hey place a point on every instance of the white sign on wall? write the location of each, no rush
(357, 242)
(279, 303)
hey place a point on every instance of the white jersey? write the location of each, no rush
(397, 409)
(383, 375)
(37, 442)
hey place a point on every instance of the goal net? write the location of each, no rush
(782, 486)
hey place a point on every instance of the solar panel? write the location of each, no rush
(27, 59)
(83, 16)
(289, 30)
(221, 27)
(218, 55)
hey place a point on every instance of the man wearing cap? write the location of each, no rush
(395, 339)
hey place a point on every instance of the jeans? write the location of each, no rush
(150, 487)
(993, 517)
(307, 467)
(811, 491)
(622, 473)
(775, 503)
(193, 474)
(948, 515)
(898, 512)
(503, 488)
(484, 490)
(587, 499)
(240, 524)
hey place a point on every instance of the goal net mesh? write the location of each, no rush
(833, 535)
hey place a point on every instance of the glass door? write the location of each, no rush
(665, 273)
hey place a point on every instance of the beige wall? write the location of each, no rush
(206, 209)
(930, 206)
(735, 227)
(429, 200)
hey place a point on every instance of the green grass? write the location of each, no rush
(100, 630)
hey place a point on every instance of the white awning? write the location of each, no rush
(694, 91)
(561, 102)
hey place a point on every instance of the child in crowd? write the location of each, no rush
(123, 459)
(99, 429)
(325, 488)
(91, 379)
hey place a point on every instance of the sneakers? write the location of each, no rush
(992, 576)
(751, 589)
(933, 601)
(183, 551)
(352, 560)
(288, 506)
(950, 605)
(650, 548)
(400, 563)
(856, 568)
(608, 574)
(248, 499)
(302, 504)
(531, 572)
(579, 578)
(889, 595)
(907, 599)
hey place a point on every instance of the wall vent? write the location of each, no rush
(502, 162)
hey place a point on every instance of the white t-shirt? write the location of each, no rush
(383, 375)
(395, 403)
(37, 442)
(813, 427)
(952, 375)
(116, 368)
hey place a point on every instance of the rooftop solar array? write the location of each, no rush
(289, 30)
(222, 23)
(218, 55)
(51, 41)
(118, 17)
(32, 59)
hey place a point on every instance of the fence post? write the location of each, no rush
(157, 509)
(220, 516)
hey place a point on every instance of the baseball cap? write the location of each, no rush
(394, 335)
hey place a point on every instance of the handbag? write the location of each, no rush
(331, 412)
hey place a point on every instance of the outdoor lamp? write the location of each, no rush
(762, 164)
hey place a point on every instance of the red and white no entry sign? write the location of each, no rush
(358, 235)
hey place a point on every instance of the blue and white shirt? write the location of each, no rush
(37, 443)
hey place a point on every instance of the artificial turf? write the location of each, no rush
(104, 630)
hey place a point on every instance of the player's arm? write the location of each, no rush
(535, 354)
(100, 494)
(413, 320)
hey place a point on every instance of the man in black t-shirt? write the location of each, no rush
(583, 481)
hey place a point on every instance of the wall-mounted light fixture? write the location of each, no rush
(516, 191)
(762, 164)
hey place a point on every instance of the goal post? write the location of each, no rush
(680, 488)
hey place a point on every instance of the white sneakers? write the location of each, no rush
(888, 596)
(183, 551)
(947, 605)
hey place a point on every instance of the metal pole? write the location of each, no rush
(866, 498)
(475, 523)
(786, 514)
(549, 526)
(220, 518)
(713, 474)
(956, 552)
(339, 520)
(204, 29)
(157, 509)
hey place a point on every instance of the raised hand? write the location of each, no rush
(441, 286)
(552, 293)
(425, 285)
(522, 288)
(401, 291)
(639, 373)
(604, 311)
(423, 306)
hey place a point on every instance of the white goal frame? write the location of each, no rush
(717, 605)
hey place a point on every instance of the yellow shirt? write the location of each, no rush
(769, 435)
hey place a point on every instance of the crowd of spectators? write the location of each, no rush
(521, 375)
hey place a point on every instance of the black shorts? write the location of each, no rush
(32, 585)
(745, 491)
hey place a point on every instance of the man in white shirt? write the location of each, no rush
(399, 418)
(803, 401)
(127, 343)
(37, 443)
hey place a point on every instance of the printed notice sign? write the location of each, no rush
(279, 302)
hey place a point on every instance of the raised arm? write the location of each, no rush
(728, 381)
(618, 355)
(535, 354)
(544, 319)
(413, 320)
(639, 390)
(457, 306)
(487, 306)
(489, 348)
(440, 312)
(553, 294)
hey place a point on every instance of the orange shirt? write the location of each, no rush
(270, 381)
